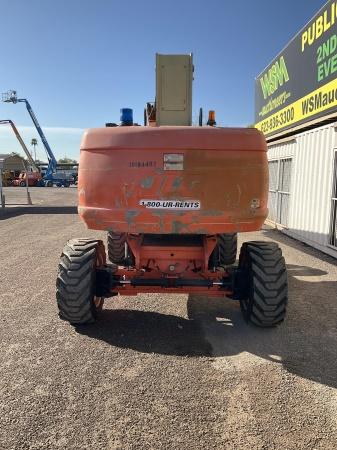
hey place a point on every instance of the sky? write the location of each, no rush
(79, 61)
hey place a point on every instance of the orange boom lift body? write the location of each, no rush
(172, 198)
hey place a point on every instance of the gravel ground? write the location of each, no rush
(158, 371)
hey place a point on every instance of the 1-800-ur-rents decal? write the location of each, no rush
(301, 83)
(170, 204)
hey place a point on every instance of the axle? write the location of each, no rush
(111, 281)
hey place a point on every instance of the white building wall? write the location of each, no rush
(312, 155)
(282, 150)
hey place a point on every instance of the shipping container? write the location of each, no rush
(303, 187)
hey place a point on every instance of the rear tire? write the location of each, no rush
(225, 250)
(265, 295)
(117, 243)
(75, 284)
(116, 247)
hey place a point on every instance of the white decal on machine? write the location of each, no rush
(170, 204)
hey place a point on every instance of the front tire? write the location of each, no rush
(75, 285)
(265, 296)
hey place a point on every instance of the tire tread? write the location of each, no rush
(75, 281)
(266, 303)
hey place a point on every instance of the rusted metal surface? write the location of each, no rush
(224, 172)
(125, 288)
(209, 292)
(159, 266)
(173, 260)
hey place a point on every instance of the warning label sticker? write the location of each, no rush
(171, 204)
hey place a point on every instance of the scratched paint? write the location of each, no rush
(161, 186)
(160, 214)
(211, 213)
(193, 184)
(229, 170)
(201, 231)
(147, 182)
(117, 202)
(177, 182)
(178, 226)
(128, 191)
(130, 216)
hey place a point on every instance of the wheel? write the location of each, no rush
(263, 269)
(225, 250)
(22, 183)
(116, 247)
(75, 284)
(117, 244)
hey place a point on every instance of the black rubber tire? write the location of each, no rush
(265, 298)
(116, 247)
(22, 183)
(225, 251)
(75, 284)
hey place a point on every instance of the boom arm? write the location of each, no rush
(23, 145)
(50, 155)
(11, 97)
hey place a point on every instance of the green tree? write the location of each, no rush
(67, 160)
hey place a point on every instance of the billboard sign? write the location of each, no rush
(300, 84)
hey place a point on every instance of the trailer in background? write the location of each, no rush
(303, 186)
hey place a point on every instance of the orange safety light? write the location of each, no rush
(211, 118)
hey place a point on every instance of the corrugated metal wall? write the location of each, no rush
(309, 213)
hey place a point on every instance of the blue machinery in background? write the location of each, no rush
(11, 97)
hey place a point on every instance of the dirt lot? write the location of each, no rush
(158, 371)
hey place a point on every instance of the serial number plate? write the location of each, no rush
(170, 204)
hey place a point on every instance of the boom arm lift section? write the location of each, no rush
(11, 97)
(23, 145)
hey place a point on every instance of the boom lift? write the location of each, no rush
(33, 178)
(23, 145)
(50, 177)
(172, 199)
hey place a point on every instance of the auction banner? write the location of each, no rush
(300, 84)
